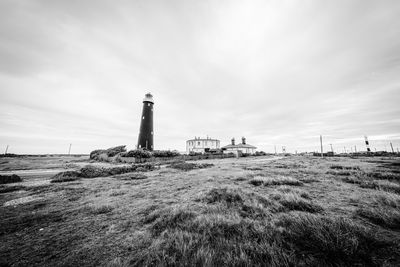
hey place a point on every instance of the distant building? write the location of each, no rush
(201, 145)
(239, 148)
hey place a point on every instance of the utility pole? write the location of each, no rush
(69, 150)
(355, 149)
(5, 153)
(331, 147)
(345, 150)
(391, 147)
(322, 152)
(275, 149)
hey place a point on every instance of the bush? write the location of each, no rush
(8, 179)
(138, 154)
(189, 166)
(96, 153)
(67, 176)
(90, 171)
(165, 153)
(110, 152)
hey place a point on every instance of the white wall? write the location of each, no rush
(200, 145)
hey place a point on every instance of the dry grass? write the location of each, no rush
(208, 217)
(385, 210)
(266, 181)
(185, 166)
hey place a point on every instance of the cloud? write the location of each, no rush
(278, 72)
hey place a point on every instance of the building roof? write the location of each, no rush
(239, 146)
(202, 139)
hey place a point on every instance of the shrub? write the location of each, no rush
(110, 152)
(165, 153)
(65, 177)
(189, 166)
(90, 171)
(138, 154)
(96, 153)
(260, 153)
(137, 176)
(8, 179)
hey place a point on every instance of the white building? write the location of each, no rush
(201, 145)
(239, 148)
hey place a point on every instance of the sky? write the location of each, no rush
(280, 73)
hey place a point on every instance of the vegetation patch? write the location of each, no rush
(12, 188)
(294, 201)
(384, 175)
(67, 176)
(339, 173)
(180, 236)
(384, 217)
(8, 179)
(333, 241)
(385, 210)
(226, 195)
(102, 209)
(339, 167)
(280, 180)
(252, 168)
(185, 166)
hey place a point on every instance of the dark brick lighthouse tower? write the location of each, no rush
(145, 140)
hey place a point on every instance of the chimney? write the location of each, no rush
(233, 141)
(243, 140)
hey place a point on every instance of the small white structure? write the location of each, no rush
(239, 148)
(201, 145)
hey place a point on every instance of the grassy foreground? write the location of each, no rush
(293, 211)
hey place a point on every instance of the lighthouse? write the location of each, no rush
(146, 133)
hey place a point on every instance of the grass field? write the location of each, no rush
(290, 211)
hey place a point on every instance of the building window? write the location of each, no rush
(198, 143)
(148, 104)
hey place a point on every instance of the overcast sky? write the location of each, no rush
(277, 72)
